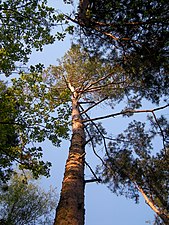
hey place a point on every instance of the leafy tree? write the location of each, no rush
(24, 25)
(12, 146)
(22, 201)
(8, 136)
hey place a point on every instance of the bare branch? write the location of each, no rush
(94, 147)
(123, 112)
(93, 180)
(87, 102)
(98, 88)
(95, 103)
(97, 81)
(96, 178)
(89, 140)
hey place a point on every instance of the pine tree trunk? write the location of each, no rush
(70, 209)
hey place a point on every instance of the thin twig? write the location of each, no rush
(94, 147)
(96, 103)
(97, 81)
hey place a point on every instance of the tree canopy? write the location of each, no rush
(24, 25)
(22, 201)
(132, 165)
(137, 31)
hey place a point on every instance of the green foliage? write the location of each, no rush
(8, 135)
(130, 165)
(15, 135)
(91, 77)
(138, 31)
(22, 201)
(44, 113)
(45, 110)
(31, 111)
(24, 25)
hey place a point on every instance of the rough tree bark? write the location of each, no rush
(70, 209)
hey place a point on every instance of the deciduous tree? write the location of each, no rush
(8, 136)
(13, 141)
(22, 201)
(24, 25)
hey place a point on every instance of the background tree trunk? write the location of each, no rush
(70, 209)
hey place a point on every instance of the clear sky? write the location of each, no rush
(102, 206)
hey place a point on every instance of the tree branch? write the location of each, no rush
(97, 103)
(93, 180)
(94, 147)
(96, 178)
(97, 81)
(123, 112)
(98, 88)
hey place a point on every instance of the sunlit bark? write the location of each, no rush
(70, 209)
(162, 215)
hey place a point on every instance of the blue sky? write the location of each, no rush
(102, 206)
